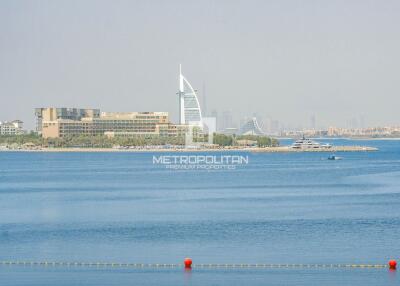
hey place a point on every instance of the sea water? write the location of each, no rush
(280, 208)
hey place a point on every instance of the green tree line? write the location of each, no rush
(105, 142)
(231, 140)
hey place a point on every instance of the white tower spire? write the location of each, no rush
(189, 107)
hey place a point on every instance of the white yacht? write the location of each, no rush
(305, 143)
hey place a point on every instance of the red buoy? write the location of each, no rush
(188, 263)
(392, 264)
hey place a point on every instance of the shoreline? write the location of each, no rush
(281, 149)
(345, 138)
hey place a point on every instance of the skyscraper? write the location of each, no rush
(205, 112)
(251, 127)
(227, 120)
(214, 113)
(313, 123)
(189, 107)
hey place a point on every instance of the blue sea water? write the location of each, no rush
(279, 208)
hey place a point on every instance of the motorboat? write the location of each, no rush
(334, 157)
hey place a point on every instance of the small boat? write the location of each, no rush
(334, 157)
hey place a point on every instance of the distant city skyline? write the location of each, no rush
(286, 61)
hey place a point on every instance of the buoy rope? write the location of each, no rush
(180, 265)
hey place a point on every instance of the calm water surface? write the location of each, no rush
(280, 208)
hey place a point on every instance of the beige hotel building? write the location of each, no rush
(64, 122)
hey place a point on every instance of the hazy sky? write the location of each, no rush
(282, 59)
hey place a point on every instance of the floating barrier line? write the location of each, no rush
(289, 266)
(93, 264)
(179, 265)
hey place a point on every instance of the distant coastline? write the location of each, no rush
(280, 149)
(373, 138)
(343, 138)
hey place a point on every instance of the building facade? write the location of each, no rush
(54, 114)
(56, 123)
(11, 128)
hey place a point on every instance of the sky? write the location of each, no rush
(286, 60)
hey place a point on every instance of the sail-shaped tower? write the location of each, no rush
(189, 107)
